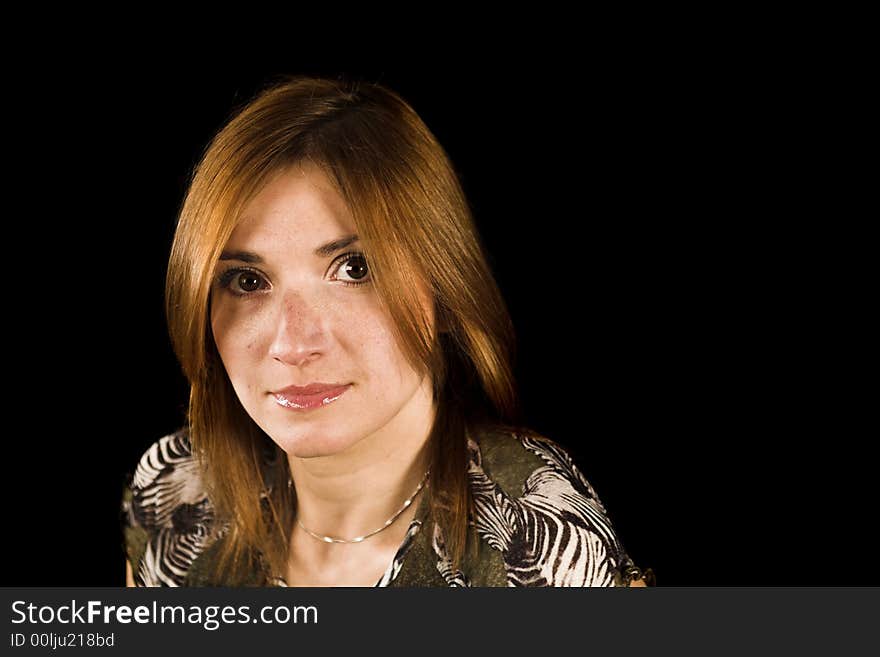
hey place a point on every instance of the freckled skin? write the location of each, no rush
(303, 326)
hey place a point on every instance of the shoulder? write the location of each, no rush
(523, 458)
(527, 464)
(536, 507)
(167, 516)
(166, 482)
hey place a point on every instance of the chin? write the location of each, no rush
(311, 443)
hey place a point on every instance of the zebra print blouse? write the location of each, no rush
(540, 519)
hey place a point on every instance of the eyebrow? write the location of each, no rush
(323, 251)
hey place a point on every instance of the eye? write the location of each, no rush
(353, 267)
(241, 282)
(248, 282)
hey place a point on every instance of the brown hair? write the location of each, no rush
(414, 224)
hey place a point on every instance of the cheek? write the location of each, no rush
(381, 353)
(236, 335)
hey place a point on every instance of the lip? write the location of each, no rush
(314, 395)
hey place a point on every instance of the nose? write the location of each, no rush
(299, 332)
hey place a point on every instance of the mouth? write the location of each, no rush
(304, 398)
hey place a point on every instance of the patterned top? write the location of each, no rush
(540, 521)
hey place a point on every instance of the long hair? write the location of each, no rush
(414, 224)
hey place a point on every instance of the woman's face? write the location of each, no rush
(283, 315)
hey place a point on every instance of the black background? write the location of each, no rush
(674, 278)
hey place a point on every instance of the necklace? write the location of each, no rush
(330, 539)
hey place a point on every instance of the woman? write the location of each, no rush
(353, 417)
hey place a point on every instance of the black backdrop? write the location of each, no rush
(672, 304)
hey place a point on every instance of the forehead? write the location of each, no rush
(299, 204)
